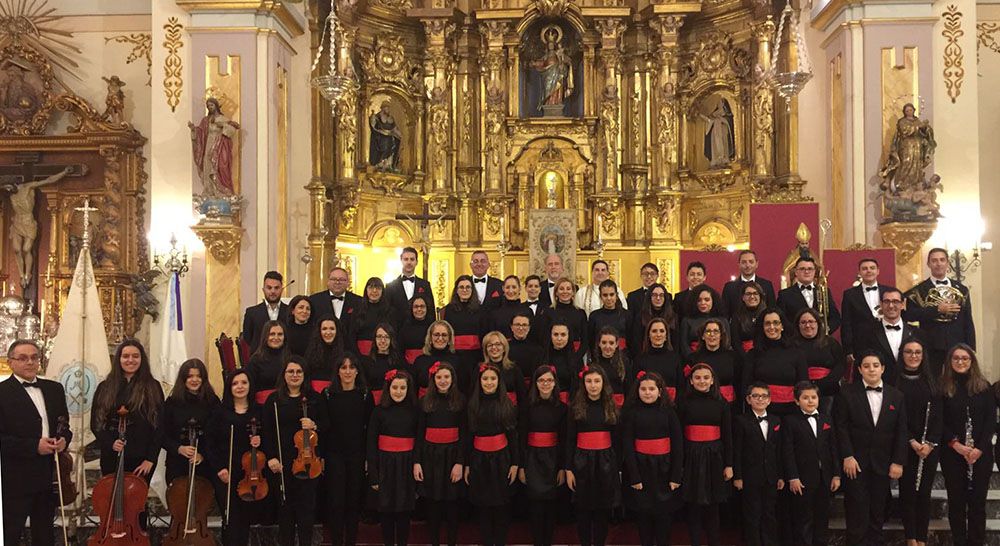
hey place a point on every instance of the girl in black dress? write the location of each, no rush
(708, 453)
(491, 464)
(192, 398)
(439, 346)
(325, 351)
(611, 314)
(495, 352)
(653, 445)
(591, 459)
(392, 436)
(385, 356)
(658, 357)
(413, 332)
(283, 417)
(825, 358)
(924, 422)
(440, 456)
(230, 425)
(564, 311)
(969, 405)
(267, 361)
(705, 304)
(375, 310)
(466, 318)
(349, 405)
(714, 351)
(299, 329)
(776, 361)
(656, 304)
(608, 354)
(563, 358)
(542, 434)
(743, 321)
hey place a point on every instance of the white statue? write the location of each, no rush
(720, 144)
(23, 227)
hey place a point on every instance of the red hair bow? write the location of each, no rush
(391, 374)
(583, 370)
(641, 374)
(434, 368)
(552, 369)
(483, 366)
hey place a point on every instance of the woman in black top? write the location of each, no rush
(923, 421)
(969, 406)
(391, 438)
(495, 352)
(325, 351)
(611, 314)
(608, 354)
(499, 318)
(131, 384)
(268, 360)
(524, 350)
(439, 346)
(776, 361)
(591, 457)
(542, 435)
(230, 426)
(349, 407)
(714, 350)
(440, 455)
(413, 332)
(299, 329)
(491, 463)
(563, 358)
(284, 415)
(466, 319)
(658, 357)
(656, 304)
(564, 311)
(375, 310)
(653, 447)
(825, 358)
(708, 453)
(192, 398)
(705, 304)
(385, 356)
(743, 321)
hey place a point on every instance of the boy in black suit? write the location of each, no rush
(757, 469)
(872, 439)
(31, 410)
(811, 469)
(401, 290)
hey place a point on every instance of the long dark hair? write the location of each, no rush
(579, 403)
(319, 353)
(713, 391)
(646, 345)
(924, 368)
(633, 394)
(454, 399)
(395, 353)
(262, 348)
(392, 375)
(692, 310)
(533, 396)
(473, 302)
(617, 359)
(761, 341)
(549, 349)
(608, 283)
(647, 313)
(227, 394)
(281, 386)
(745, 316)
(821, 340)
(360, 382)
(502, 411)
(206, 392)
(146, 396)
(293, 304)
(976, 383)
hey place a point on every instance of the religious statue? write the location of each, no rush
(18, 98)
(384, 144)
(555, 67)
(212, 140)
(115, 101)
(908, 195)
(720, 143)
(23, 227)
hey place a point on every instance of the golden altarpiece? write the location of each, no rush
(652, 122)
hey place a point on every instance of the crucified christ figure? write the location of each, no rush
(23, 227)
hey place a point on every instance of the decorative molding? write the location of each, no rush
(173, 84)
(954, 74)
(142, 48)
(986, 36)
(906, 237)
(221, 241)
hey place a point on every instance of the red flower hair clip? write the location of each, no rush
(552, 369)
(641, 374)
(391, 374)
(583, 370)
(434, 368)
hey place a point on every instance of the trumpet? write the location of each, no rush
(822, 296)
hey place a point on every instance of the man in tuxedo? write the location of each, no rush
(272, 308)
(944, 324)
(588, 297)
(533, 291)
(804, 293)
(756, 466)
(338, 301)
(488, 290)
(400, 291)
(732, 292)
(870, 420)
(696, 275)
(34, 427)
(636, 298)
(886, 336)
(553, 272)
(860, 306)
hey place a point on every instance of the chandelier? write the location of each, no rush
(789, 72)
(333, 84)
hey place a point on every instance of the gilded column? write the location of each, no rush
(439, 70)
(664, 104)
(763, 105)
(786, 120)
(495, 98)
(610, 58)
(467, 112)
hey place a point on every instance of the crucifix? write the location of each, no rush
(21, 182)
(424, 220)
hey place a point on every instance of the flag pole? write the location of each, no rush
(78, 458)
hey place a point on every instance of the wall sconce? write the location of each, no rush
(174, 260)
(962, 236)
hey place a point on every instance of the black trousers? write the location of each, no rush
(654, 526)
(236, 531)
(493, 524)
(916, 505)
(703, 519)
(297, 516)
(865, 500)
(543, 514)
(811, 516)
(345, 494)
(592, 526)
(395, 528)
(966, 507)
(760, 527)
(17, 508)
(439, 512)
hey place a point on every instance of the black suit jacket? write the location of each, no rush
(875, 447)
(810, 458)
(395, 294)
(494, 293)
(24, 470)
(756, 461)
(253, 321)
(940, 335)
(350, 313)
(791, 301)
(732, 293)
(544, 295)
(871, 337)
(856, 315)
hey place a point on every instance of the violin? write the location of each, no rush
(253, 486)
(307, 465)
(118, 500)
(189, 499)
(62, 481)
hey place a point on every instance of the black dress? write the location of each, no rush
(653, 445)
(468, 326)
(172, 428)
(412, 335)
(620, 384)
(322, 365)
(297, 336)
(593, 459)
(667, 364)
(781, 368)
(226, 423)
(824, 364)
(391, 440)
(344, 446)
(568, 364)
(501, 317)
(619, 319)
(542, 435)
(264, 368)
(492, 450)
(141, 443)
(570, 315)
(372, 314)
(708, 447)
(375, 368)
(689, 340)
(527, 354)
(923, 423)
(441, 439)
(728, 369)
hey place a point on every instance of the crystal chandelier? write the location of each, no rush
(333, 84)
(788, 76)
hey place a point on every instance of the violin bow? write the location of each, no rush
(61, 422)
(277, 430)
(229, 484)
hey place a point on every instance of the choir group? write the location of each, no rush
(688, 403)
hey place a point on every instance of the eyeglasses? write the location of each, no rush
(751, 295)
(807, 322)
(338, 279)
(760, 396)
(912, 352)
(546, 380)
(439, 334)
(961, 359)
(293, 372)
(713, 333)
(648, 273)
(772, 323)
(494, 345)
(381, 336)
(34, 359)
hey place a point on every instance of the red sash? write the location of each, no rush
(318, 384)
(365, 347)
(490, 443)
(441, 435)
(593, 440)
(727, 392)
(468, 342)
(748, 346)
(394, 444)
(377, 396)
(411, 355)
(513, 397)
(672, 393)
(261, 396)
(817, 372)
(656, 446)
(543, 439)
(782, 394)
(621, 343)
(619, 399)
(702, 433)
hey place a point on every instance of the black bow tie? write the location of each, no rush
(812, 416)
(876, 389)
(550, 283)
(532, 302)
(409, 279)
(483, 280)
(332, 297)
(891, 327)
(33, 384)
(762, 419)
(805, 287)
(945, 282)
(871, 288)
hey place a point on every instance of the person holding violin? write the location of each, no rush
(235, 456)
(31, 412)
(348, 399)
(294, 419)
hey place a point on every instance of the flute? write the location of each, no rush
(969, 442)
(923, 441)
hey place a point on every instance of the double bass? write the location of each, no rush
(189, 499)
(118, 500)
(307, 465)
(253, 486)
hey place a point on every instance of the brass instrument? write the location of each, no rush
(822, 298)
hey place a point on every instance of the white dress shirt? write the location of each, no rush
(942, 282)
(808, 295)
(894, 336)
(813, 423)
(272, 310)
(480, 287)
(875, 401)
(38, 399)
(338, 305)
(871, 297)
(550, 285)
(762, 424)
(408, 287)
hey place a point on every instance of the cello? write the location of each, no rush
(253, 486)
(307, 465)
(118, 500)
(189, 499)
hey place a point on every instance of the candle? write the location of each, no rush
(42, 325)
(599, 225)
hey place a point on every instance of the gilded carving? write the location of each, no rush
(986, 36)
(221, 241)
(552, 8)
(493, 126)
(664, 207)
(173, 84)
(35, 26)
(439, 128)
(608, 211)
(610, 123)
(142, 48)
(350, 198)
(493, 209)
(27, 91)
(387, 62)
(954, 73)
(907, 238)
(399, 6)
(346, 111)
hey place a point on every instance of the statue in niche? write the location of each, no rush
(720, 142)
(550, 59)
(908, 195)
(23, 227)
(385, 140)
(212, 141)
